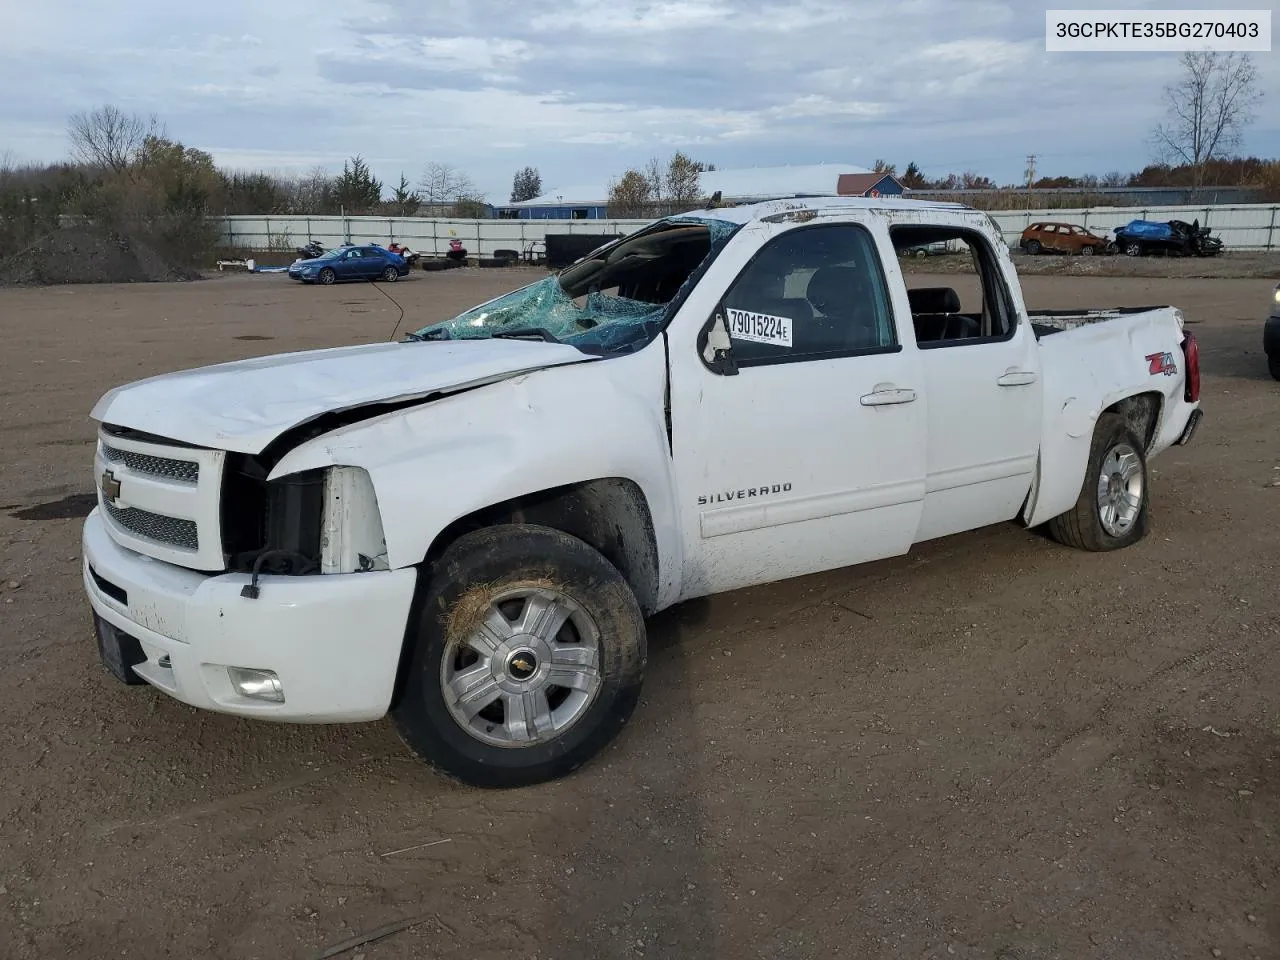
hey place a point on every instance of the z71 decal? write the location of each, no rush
(1161, 363)
(760, 328)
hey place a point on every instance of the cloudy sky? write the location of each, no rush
(584, 88)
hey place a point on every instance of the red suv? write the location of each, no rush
(1062, 238)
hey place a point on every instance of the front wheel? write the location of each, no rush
(1273, 364)
(391, 275)
(527, 656)
(1033, 247)
(1086, 251)
(1132, 248)
(327, 276)
(1111, 511)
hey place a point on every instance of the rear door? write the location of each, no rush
(984, 411)
(811, 455)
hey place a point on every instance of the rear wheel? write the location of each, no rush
(528, 653)
(1111, 511)
(1273, 364)
(391, 275)
(1033, 247)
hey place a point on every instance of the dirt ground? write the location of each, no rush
(994, 747)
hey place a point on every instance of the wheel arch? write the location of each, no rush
(1057, 484)
(610, 514)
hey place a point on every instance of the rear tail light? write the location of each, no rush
(1191, 350)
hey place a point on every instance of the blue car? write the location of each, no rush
(351, 263)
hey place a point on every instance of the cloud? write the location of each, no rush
(584, 89)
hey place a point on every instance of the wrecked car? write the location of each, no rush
(466, 529)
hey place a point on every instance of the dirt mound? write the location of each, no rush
(80, 255)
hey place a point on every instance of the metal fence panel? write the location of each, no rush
(1242, 227)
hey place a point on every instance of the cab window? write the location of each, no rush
(813, 292)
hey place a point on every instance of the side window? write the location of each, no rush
(812, 292)
(976, 305)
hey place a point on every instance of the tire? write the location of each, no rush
(1273, 365)
(1083, 526)
(1132, 248)
(468, 583)
(390, 275)
(1086, 251)
(1033, 247)
(327, 276)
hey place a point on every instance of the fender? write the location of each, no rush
(1087, 371)
(434, 464)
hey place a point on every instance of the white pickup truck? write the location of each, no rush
(465, 529)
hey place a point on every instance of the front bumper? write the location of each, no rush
(333, 640)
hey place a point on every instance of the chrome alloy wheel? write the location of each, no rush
(1121, 487)
(527, 672)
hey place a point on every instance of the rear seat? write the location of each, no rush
(935, 313)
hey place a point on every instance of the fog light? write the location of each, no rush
(256, 684)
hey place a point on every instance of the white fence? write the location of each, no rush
(1241, 227)
(425, 235)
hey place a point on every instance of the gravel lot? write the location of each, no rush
(994, 747)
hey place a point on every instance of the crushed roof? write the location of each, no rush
(746, 213)
(742, 183)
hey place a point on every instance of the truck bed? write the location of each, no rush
(1048, 322)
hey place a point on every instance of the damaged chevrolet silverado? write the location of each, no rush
(466, 529)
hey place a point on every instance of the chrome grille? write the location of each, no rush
(184, 471)
(155, 526)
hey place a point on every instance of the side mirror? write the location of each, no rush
(714, 346)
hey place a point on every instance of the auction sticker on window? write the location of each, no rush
(760, 328)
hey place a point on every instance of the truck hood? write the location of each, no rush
(243, 405)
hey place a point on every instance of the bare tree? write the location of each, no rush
(1207, 108)
(631, 195)
(109, 138)
(655, 173)
(442, 183)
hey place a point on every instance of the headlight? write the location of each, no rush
(351, 535)
(1275, 297)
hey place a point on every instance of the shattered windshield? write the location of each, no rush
(614, 300)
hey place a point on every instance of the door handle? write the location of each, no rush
(1017, 378)
(885, 393)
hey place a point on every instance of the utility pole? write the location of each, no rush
(1031, 176)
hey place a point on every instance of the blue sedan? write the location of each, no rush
(351, 263)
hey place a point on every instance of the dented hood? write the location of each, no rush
(244, 405)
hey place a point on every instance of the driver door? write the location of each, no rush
(808, 453)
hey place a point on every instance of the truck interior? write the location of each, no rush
(979, 311)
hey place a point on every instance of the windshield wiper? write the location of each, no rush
(526, 333)
(435, 333)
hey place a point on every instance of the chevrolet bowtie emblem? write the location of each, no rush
(110, 485)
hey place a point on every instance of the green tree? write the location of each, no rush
(913, 177)
(404, 198)
(526, 185)
(683, 180)
(356, 189)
